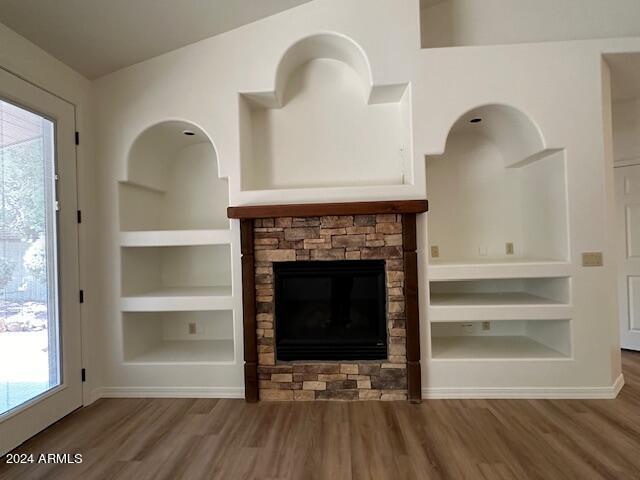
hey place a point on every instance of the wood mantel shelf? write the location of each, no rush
(324, 209)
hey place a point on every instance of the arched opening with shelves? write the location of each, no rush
(325, 124)
(176, 241)
(172, 181)
(498, 194)
(499, 277)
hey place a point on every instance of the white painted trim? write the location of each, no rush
(526, 392)
(167, 392)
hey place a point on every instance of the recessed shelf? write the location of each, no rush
(496, 268)
(175, 270)
(509, 194)
(162, 238)
(325, 125)
(438, 314)
(172, 182)
(178, 337)
(500, 299)
(187, 352)
(504, 339)
(484, 348)
(179, 298)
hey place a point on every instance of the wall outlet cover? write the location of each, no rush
(592, 259)
(467, 328)
(435, 251)
(508, 248)
(192, 328)
(486, 325)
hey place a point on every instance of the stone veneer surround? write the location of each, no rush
(342, 237)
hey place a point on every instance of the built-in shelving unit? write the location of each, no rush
(177, 296)
(499, 271)
(505, 339)
(497, 196)
(173, 182)
(190, 268)
(178, 337)
(502, 299)
(325, 124)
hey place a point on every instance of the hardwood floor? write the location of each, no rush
(439, 439)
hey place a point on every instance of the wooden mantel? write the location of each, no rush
(408, 209)
(322, 209)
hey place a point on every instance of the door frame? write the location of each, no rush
(33, 416)
(623, 259)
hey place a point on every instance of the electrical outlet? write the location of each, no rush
(592, 259)
(192, 328)
(483, 251)
(508, 248)
(435, 251)
(467, 328)
(486, 325)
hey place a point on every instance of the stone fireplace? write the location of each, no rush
(344, 288)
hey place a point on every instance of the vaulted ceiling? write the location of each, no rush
(96, 37)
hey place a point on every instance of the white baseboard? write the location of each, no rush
(526, 392)
(427, 393)
(167, 392)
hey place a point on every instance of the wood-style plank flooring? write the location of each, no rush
(440, 439)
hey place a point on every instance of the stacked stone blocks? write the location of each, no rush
(358, 237)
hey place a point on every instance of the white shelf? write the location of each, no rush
(497, 312)
(169, 238)
(179, 299)
(455, 307)
(186, 352)
(490, 347)
(496, 268)
(143, 187)
(488, 299)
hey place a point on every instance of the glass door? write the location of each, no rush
(40, 364)
(29, 342)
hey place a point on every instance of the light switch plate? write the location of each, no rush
(508, 248)
(592, 259)
(435, 251)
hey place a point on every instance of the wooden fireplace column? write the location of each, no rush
(408, 209)
(249, 311)
(412, 314)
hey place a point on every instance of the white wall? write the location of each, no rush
(23, 58)
(557, 84)
(491, 22)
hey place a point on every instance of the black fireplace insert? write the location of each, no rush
(330, 310)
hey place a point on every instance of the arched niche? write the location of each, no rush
(325, 124)
(497, 194)
(172, 181)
